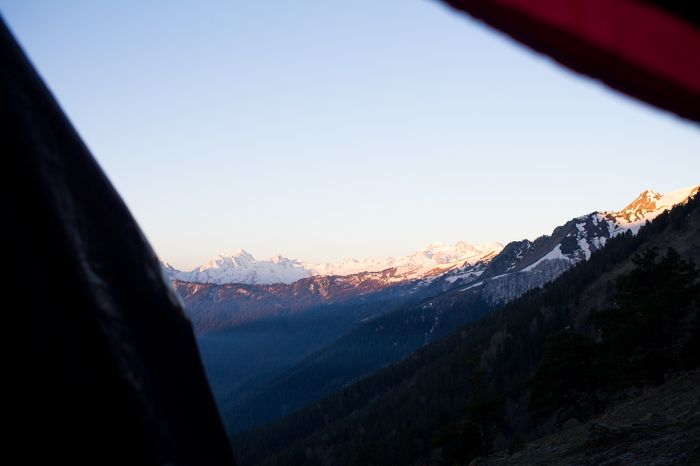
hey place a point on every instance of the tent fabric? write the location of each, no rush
(103, 367)
(650, 51)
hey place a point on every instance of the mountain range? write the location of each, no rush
(572, 242)
(241, 267)
(415, 407)
(254, 336)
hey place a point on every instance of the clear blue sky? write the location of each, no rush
(325, 130)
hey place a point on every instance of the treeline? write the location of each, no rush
(418, 410)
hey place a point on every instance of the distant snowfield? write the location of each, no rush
(241, 267)
(433, 260)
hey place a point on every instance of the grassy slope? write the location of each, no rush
(662, 426)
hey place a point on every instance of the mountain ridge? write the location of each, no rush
(576, 239)
(241, 267)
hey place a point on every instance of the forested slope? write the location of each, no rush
(411, 410)
(360, 352)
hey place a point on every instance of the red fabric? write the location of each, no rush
(632, 46)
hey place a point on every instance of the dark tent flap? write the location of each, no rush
(106, 367)
(642, 49)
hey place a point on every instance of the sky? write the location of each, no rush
(328, 130)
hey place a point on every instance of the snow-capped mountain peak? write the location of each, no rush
(222, 261)
(646, 202)
(278, 259)
(648, 206)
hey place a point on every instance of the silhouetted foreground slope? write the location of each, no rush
(403, 413)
